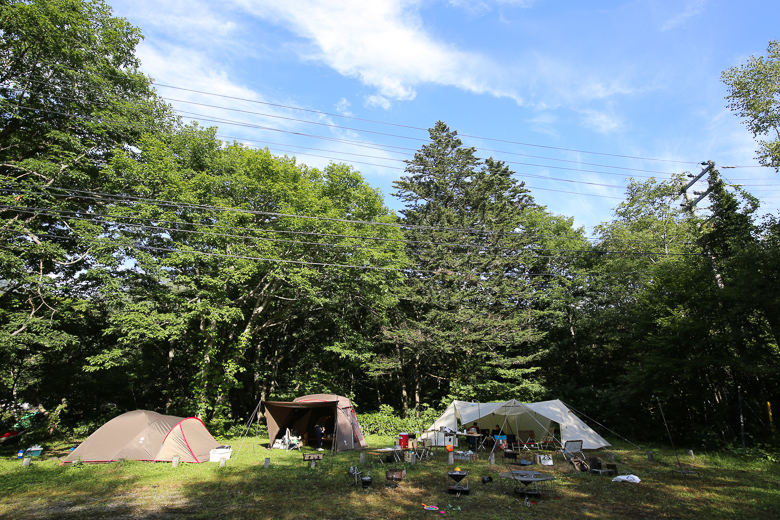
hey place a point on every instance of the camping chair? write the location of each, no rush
(549, 440)
(483, 440)
(291, 441)
(424, 449)
(572, 450)
(511, 441)
(526, 439)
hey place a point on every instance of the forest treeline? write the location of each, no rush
(145, 263)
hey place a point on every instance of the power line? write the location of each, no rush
(116, 220)
(108, 197)
(412, 149)
(407, 270)
(425, 129)
(289, 107)
(202, 117)
(405, 137)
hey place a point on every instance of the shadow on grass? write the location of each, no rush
(290, 489)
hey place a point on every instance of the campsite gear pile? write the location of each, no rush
(32, 451)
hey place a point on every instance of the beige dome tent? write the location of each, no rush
(150, 436)
(342, 430)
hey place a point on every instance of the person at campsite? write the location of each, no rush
(319, 429)
(474, 428)
(499, 437)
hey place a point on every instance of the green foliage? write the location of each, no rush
(387, 422)
(470, 311)
(758, 451)
(70, 94)
(753, 96)
(146, 264)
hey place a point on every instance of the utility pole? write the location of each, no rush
(690, 206)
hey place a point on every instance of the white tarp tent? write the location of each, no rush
(513, 416)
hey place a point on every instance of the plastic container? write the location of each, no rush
(403, 440)
(34, 451)
(219, 453)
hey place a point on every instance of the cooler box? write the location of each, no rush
(403, 440)
(219, 453)
(33, 451)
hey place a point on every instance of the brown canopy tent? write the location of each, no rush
(149, 436)
(302, 414)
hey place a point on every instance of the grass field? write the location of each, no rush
(724, 487)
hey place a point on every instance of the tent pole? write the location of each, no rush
(248, 426)
(667, 431)
(334, 436)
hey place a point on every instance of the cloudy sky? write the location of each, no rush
(574, 98)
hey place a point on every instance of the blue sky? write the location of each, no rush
(594, 94)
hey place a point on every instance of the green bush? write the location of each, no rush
(385, 422)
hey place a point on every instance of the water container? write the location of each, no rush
(403, 440)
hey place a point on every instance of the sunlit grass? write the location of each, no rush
(725, 486)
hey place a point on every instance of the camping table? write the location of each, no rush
(475, 436)
(529, 479)
(384, 451)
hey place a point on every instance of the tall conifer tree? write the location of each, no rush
(468, 308)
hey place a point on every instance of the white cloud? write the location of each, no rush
(186, 19)
(691, 8)
(342, 107)
(482, 6)
(378, 101)
(545, 123)
(383, 43)
(602, 122)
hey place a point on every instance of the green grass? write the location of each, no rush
(726, 487)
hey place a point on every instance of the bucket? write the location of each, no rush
(403, 440)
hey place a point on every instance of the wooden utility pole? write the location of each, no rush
(690, 206)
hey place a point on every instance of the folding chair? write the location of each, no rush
(511, 441)
(549, 440)
(424, 449)
(526, 439)
(483, 440)
(572, 450)
(292, 442)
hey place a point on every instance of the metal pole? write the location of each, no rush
(668, 432)
(741, 416)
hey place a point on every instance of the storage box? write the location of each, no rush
(219, 453)
(34, 451)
